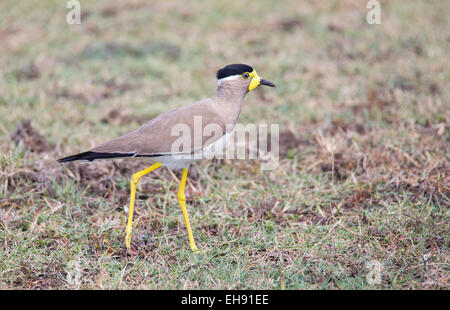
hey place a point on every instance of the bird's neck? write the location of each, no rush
(230, 93)
(229, 101)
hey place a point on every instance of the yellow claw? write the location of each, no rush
(196, 250)
(128, 239)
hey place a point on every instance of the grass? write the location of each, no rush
(364, 168)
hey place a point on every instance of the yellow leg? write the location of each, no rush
(134, 179)
(182, 200)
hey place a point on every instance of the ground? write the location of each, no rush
(360, 199)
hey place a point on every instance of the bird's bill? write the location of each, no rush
(266, 83)
(256, 81)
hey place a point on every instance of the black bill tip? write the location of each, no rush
(266, 83)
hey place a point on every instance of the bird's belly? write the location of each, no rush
(174, 162)
(183, 161)
(217, 146)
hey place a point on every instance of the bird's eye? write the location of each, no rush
(245, 75)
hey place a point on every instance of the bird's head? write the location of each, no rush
(240, 76)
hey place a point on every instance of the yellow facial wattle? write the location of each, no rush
(256, 80)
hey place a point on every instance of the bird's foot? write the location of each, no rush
(195, 249)
(128, 239)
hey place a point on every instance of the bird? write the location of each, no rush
(158, 142)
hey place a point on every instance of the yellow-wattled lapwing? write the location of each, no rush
(155, 139)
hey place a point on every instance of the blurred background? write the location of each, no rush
(364, 145)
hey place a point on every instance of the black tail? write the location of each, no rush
(90, 156)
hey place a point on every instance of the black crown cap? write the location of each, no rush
(233, 69)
